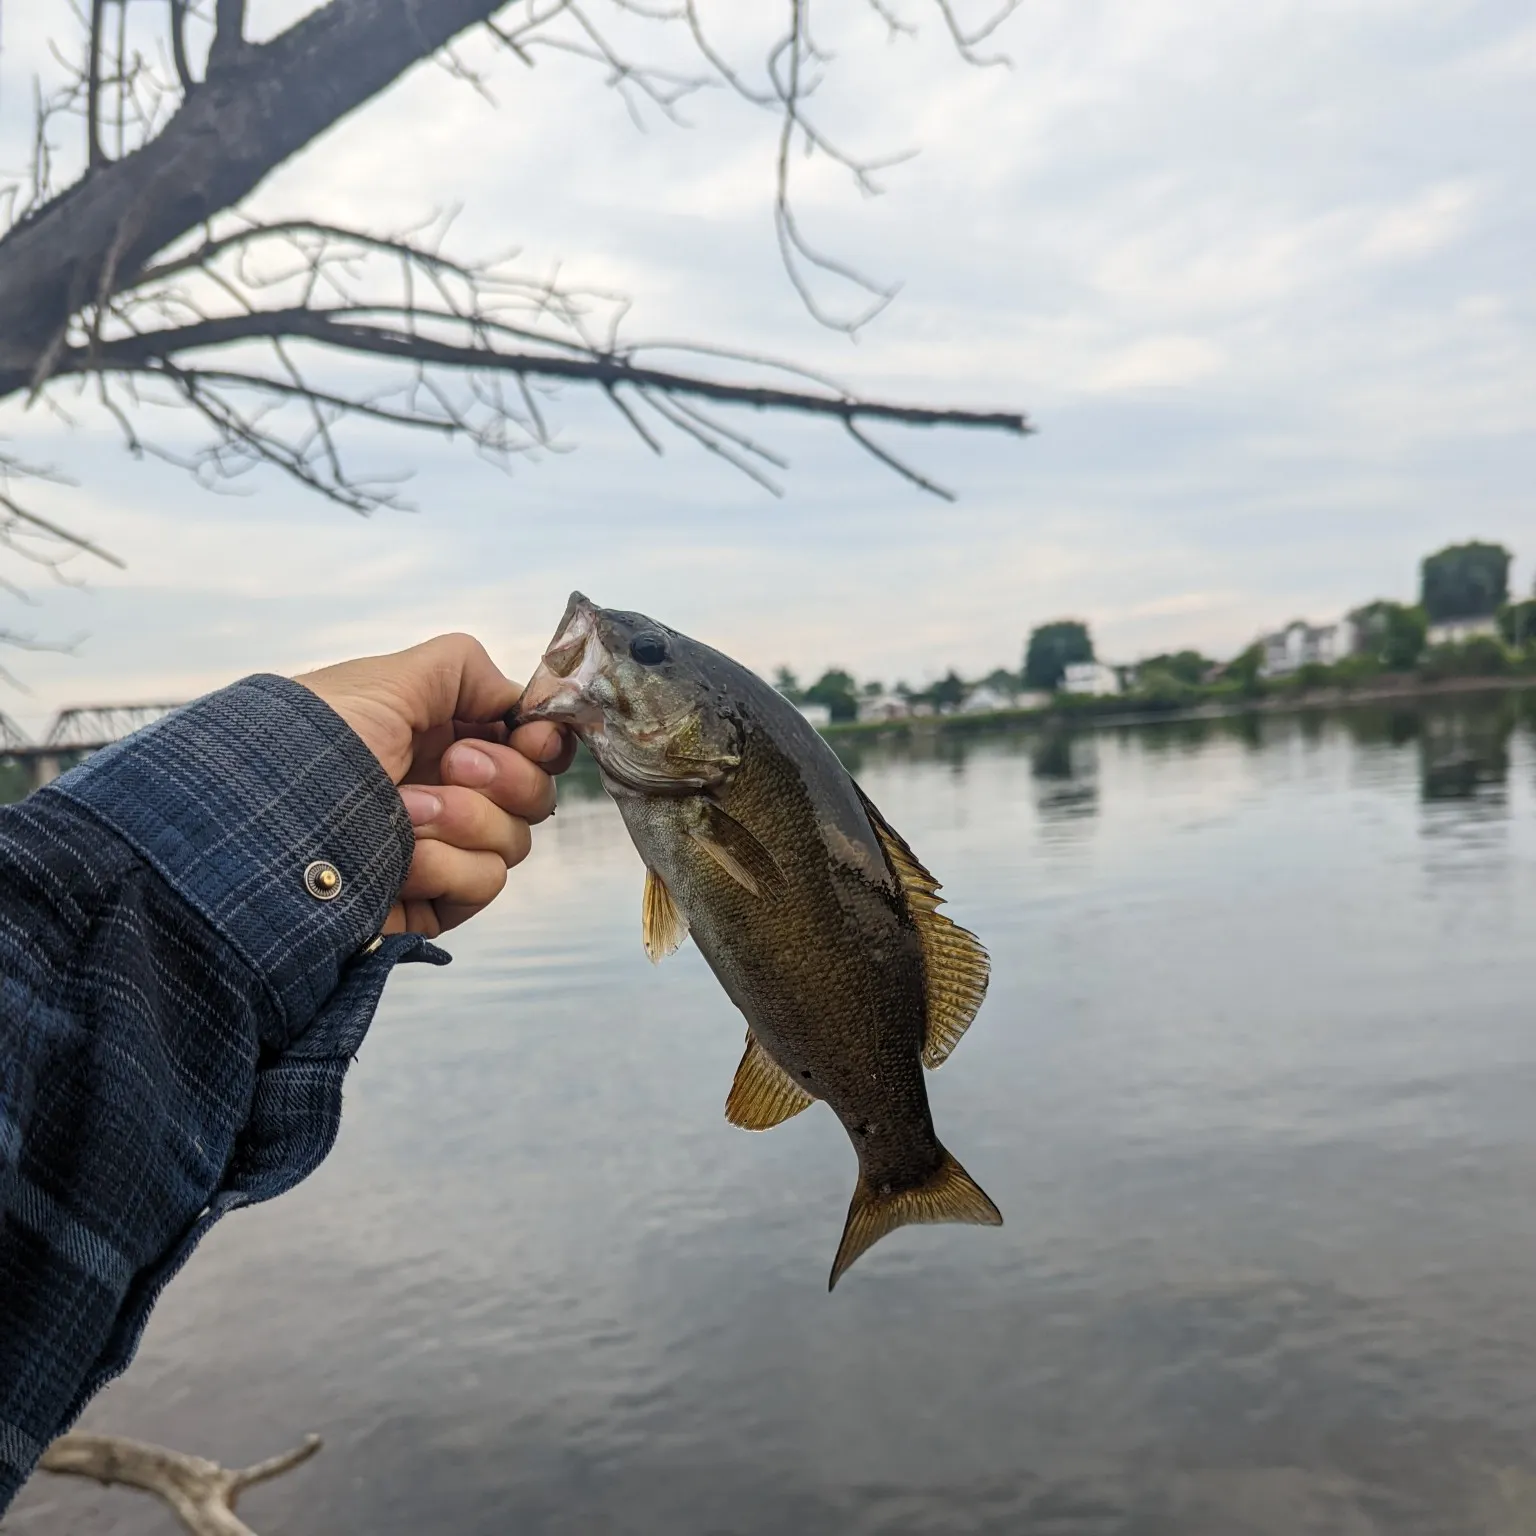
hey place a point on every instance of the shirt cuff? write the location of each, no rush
(231, 800)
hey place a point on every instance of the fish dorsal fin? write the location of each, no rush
(737, 851)
(956, 965)
(764, 1094)
(948, 1194)
(662, 924)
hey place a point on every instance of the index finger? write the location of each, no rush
(455, 679)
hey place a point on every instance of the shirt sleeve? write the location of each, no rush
(189, 960)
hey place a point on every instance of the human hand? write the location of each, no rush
(433, 715)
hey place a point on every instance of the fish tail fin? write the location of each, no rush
(948, 1194)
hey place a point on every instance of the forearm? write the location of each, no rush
(177, 1008)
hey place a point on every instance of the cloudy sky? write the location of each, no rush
(1260, 273)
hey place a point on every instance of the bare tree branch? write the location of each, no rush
(147, 354)
(228, 35)
(220, 144)
(30, 534)
(144, 281)
(93, 98)
(179, 46)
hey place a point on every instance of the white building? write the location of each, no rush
(818, 714)
(1454, 631)
(884, 706)
(1300, 643)
(1092, 677)
(983, 700)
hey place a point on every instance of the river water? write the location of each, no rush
(1255, 1088)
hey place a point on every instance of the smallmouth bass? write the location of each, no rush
(813, 913)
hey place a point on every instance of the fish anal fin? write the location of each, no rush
(764, 1094)
(949, 1194)
(957, 966)
(737, 851)
(662, 924)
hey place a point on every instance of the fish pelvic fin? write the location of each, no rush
(948, 1194)
(662, 924)
(764, 1094)
(955, 964)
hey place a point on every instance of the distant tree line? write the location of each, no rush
(1460, 584)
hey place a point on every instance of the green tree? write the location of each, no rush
(1001, 680)
(1244, 668)
(838, 691)
(788, 684)
(1052, 649)
(1393, 633)
(1187, 667)
(1517, 623)
(948, 692)
(1162, 687)
(1477, 656)
(1465, 581)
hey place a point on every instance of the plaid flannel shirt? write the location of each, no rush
(177, 1011)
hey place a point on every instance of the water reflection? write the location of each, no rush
(1464, 754)
(1064, 765)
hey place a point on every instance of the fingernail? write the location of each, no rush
(421, 805)
(553, 747)
(471, 766)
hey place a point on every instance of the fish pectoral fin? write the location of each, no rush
(764, 1094)
(949, 1194)
(662, 924)
(737, 851)
(956, 965)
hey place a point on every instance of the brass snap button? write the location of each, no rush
(322, 880)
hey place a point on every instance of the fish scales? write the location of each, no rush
(832, 984)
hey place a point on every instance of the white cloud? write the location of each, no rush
(1429, 222)
(1159, 362)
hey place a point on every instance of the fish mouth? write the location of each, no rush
(557, 691)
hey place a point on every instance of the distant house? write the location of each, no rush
(818, 714)
(983, 700)
(1092, 677)
(885, 706)
(1300, 643)
(1454, 631)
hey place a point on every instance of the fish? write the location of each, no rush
(816, 917)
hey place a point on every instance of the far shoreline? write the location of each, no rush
(1406, 689)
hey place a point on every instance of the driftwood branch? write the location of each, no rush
(202, 1493)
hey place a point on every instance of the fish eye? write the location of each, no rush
(648, 649)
